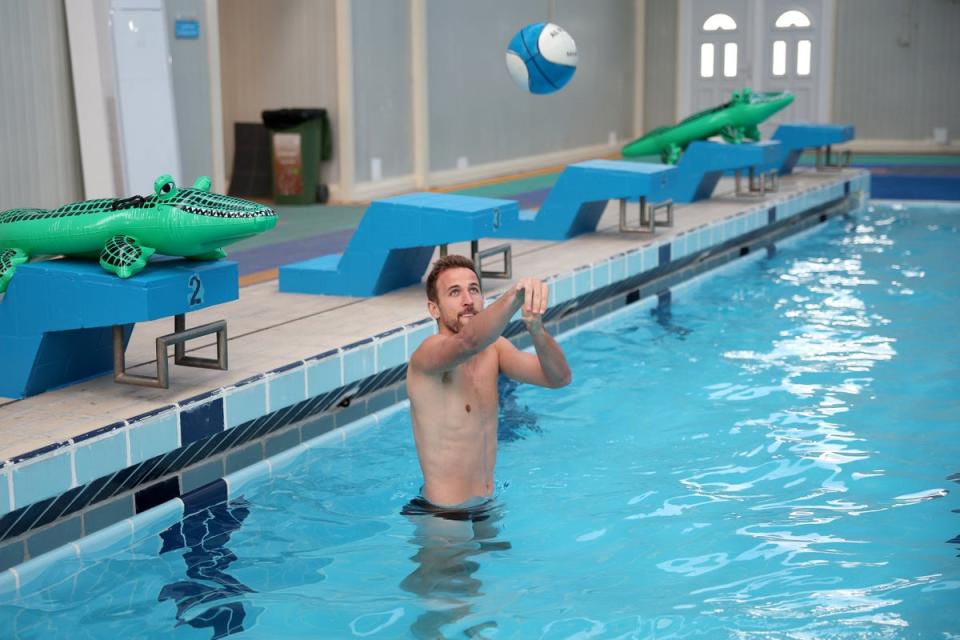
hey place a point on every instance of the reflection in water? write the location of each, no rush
(663, 315)
(956, 539)
(515, 419)
(449, 544)
(205, 534)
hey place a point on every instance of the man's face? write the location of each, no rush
(458, 298)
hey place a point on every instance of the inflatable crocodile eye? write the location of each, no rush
(164, 187)
(202, 183)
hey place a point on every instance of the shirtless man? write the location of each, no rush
(452, 378)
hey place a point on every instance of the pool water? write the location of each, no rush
(773, 455)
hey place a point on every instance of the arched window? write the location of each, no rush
(779, 57)
(720, 22)
(706, 60)
(730, 60)
(804, 56)
(792, 19)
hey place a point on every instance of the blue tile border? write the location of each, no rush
(321, 356)
(97, 458)
(154, 436)
(204, 497)
(287, 388)
(246, 381)
(200, 421)
(41, 478)
(36, 453)
(96, 432)
(157, 494)
(663, 253)
(199, 398)
(286, 367)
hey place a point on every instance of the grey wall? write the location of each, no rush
(897, 67)
(273, 55)
(477, 112)
(191, 90)
(383, 107)
(39, 147)
(660, 60)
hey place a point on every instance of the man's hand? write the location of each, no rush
(535, 295)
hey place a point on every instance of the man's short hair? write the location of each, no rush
(447, 262)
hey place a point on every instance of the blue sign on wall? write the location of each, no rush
(187, 29)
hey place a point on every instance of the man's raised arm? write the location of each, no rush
(548, 368)
(443, 352)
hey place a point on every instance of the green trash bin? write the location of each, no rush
(299, 140)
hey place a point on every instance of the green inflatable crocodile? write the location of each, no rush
(734, 121)
(125, 232)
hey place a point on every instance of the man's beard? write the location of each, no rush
(457, 323)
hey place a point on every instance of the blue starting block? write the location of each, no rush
(59, 319)
(394, 242)
(577, 200)
(795, 138)
(703, 163)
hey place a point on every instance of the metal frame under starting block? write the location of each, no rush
(477, 256)
(825, 162)
(648, 216)
(178, 339)
(758, 184)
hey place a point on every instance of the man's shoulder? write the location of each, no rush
(425, 346)
(501, 344)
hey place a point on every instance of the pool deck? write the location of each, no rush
(268, 329)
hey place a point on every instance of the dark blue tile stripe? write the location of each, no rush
(201, 421)
(157, 494)
(25, 518)
(663, 254)
(86, 495)
(358, 343)
(100, 431)
(204, 497)
(57, 507)
(664, 297)
(321, 356)
(199, 397)
(150, 414)
(286, 367)
(247, 381)
(39, 452)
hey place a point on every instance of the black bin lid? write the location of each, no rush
(287, 118)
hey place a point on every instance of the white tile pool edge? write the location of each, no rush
(27, 578)
(598, 274)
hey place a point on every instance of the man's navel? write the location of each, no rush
(468, 408)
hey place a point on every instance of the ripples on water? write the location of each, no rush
(798, 441)
(773, 456)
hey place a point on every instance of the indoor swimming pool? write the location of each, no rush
(769, 451)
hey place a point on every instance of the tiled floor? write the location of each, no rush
(268, 329)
